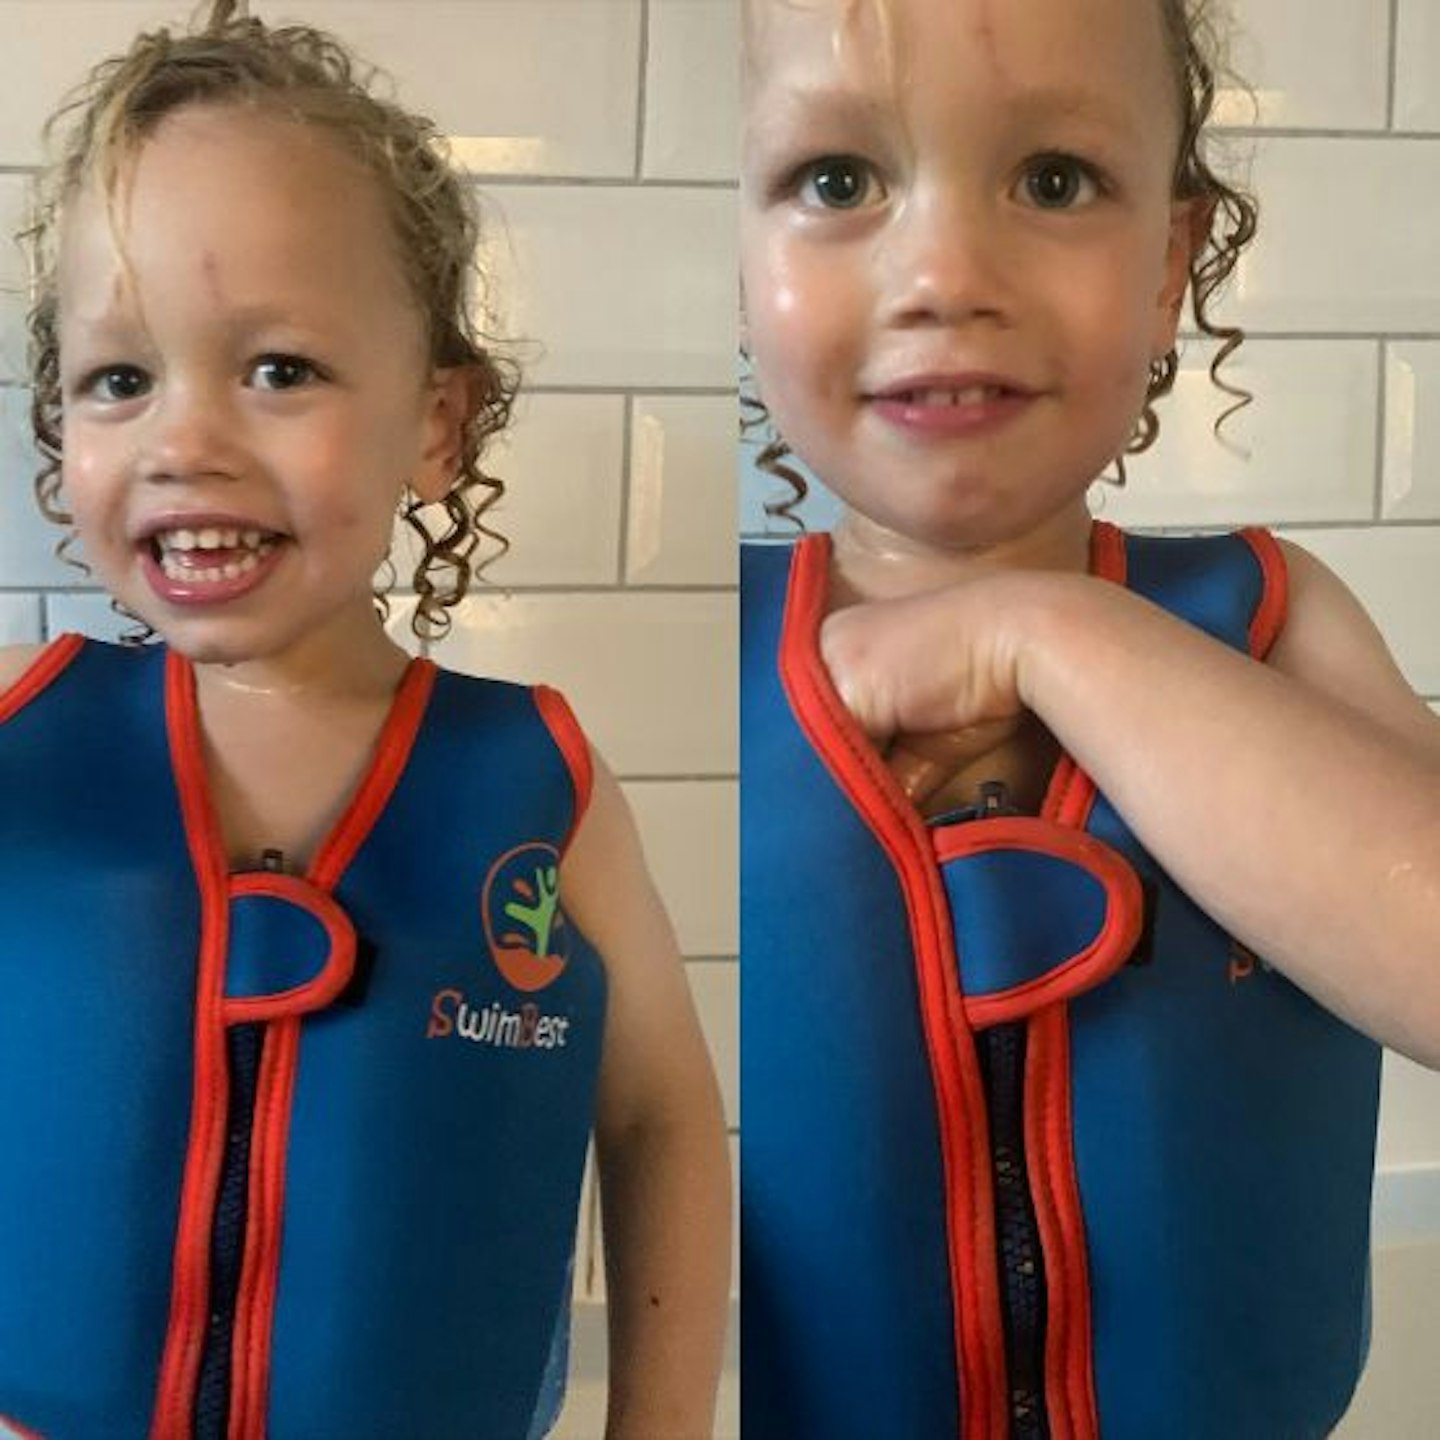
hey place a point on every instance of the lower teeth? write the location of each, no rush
(175, 568)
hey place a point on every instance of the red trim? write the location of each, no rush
(864, 778)
(339, 966)
(1049, 1148)
(1269, 618)
(1100, 959)
(19, 1431)
(392, 751)
(36, 676)
(260, 1272)
(190, 1285)
(566, 732)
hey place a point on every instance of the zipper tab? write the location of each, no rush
(992, 802)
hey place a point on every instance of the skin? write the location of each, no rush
(963, 632)
(246, 344)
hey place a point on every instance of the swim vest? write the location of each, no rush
(1031, 1147)
(281, 1156)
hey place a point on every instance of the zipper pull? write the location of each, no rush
(273, 862)
(992, 801)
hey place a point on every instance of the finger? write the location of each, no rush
(920, 776)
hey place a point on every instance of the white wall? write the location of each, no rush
(602, 135)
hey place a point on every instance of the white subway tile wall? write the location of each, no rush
(1341, 296)
(601, 135)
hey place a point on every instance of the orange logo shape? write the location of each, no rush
(524, 925)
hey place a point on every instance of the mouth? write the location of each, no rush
(211, 554)
(939, 407)
(198, 561)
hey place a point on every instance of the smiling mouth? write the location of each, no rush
(211, 554)
(933, 397)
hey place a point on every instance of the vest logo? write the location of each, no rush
(523, 1029)
(525, 928)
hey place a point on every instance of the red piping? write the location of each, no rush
(43, 669)
(565, 730)
(863, 777)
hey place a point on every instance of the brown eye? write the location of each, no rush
(118, 383)
(282, 372)
(1060, 182)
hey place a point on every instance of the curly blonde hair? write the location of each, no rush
(1196, 50)
(305, 75)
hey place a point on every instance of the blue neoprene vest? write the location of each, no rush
(1031, 1147)
(284, 1157)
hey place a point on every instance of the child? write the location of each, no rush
(317, 963)
(1032, 1145)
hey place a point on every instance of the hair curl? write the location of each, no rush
(305, 75)
(1196, 50)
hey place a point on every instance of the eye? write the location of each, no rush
(282, 372)
(116, 384)
(839, 182)
(1060, 182)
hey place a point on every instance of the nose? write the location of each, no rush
(187, 435)
(946, 260)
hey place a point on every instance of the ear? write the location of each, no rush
(448, 404)
(1189, 229)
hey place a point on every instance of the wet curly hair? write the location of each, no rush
(304, 75)
(1195, 43)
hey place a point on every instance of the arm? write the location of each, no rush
(660, 1142)
(1297, 802)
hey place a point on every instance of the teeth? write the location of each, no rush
(970, 395)
(214, 538)
(177, 569)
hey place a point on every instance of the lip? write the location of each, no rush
(198, 520)
(897, 404)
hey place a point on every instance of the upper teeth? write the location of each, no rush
(211, 538)
(969, 395)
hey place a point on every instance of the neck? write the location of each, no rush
(351, 660)
(871, 562)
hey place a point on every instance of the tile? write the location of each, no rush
(27, 539)
(14, 285)
(682, 491)
(616, 287)
(1417, 66)
(536, 87)
(1399, 1394)
(49, 45)
(716, 988)
(1313, 66)
(692, 90)
(1409, 1115)
(1304, 449)
(561, 464)
(1411, 487)
(652, 677)
(558, 95)
(1395, 573)
(20, 620)
(690, 831)
(1364, 265)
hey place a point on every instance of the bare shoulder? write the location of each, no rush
(15, 660)
(1332, 644)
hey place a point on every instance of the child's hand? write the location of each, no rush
(932, 679)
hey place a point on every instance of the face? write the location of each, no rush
(959, 251)
(244, 387)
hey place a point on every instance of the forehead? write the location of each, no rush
(242, 198)
(1109, 56)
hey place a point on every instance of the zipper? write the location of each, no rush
(244, 1046)
(1001, 1051)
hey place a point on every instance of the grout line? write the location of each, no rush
(641, 90)
(1392, 62)
(1295, 132)
(1381, 415)
(627, 469)
(712, 959)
